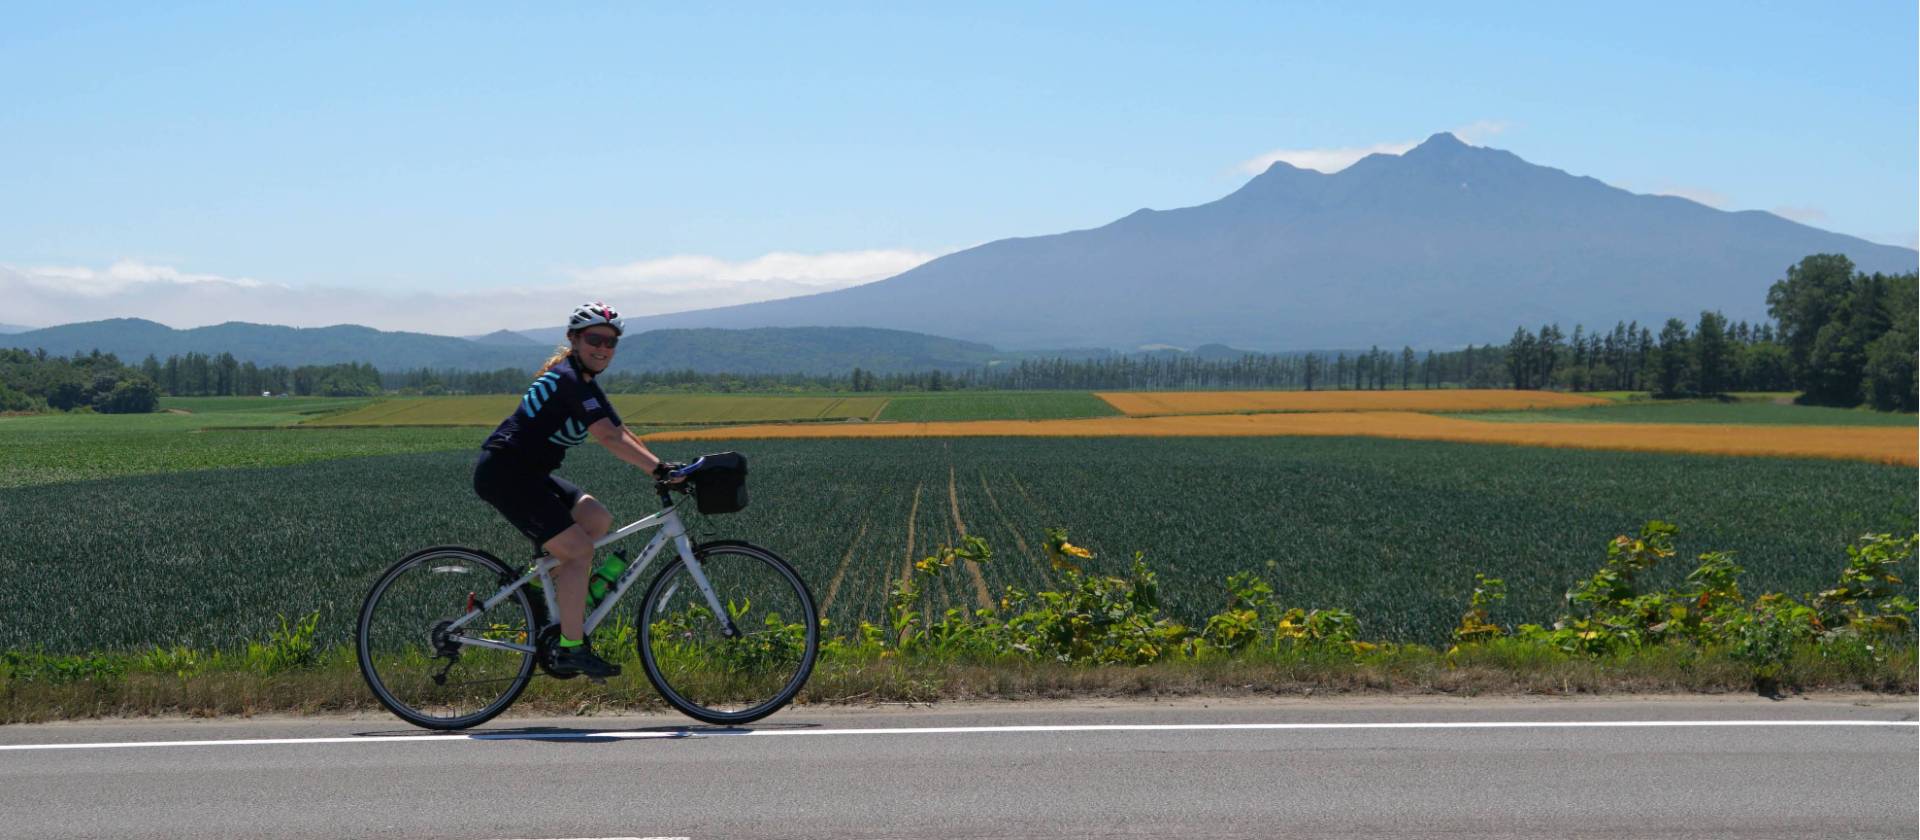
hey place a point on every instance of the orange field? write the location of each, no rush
(1150, 404)
(1882, 445)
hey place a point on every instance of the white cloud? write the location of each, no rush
(119, 278)
(1803, 215)
(1702, 195)
(1331, 159)
(1480, 131)
(132, 289)
(760, 278)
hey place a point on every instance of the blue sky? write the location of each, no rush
(319, 163)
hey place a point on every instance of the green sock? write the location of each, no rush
(571, 643)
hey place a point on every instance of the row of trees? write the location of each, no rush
(1339, 370)
(36, 381)
(429, 382)
(1712, 357)
(202, 375)
(1842, 338)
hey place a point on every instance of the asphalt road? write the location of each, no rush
(1845, 767)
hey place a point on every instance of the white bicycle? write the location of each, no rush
(727, 631)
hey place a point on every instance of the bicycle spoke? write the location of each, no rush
(715, 677)
(404, 646)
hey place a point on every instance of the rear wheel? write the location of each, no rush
(418, 666)
(709, 672)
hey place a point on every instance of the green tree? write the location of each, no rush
(137, 395)
(1891, 383)
(1766, 367)
(1836, 365)
(1673, 361)
(1806, 301)
(1712, 353)
(1520, 356)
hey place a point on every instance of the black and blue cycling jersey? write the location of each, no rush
(553, 417)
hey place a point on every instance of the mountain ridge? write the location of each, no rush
(1464, 242)
(772, 350)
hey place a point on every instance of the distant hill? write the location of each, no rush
(505, 337)
(7, 329)
(815, 350)
(132, 339)
(1444, 245)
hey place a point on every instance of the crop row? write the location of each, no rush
(1000, 405)
(655, 409)
(1741, 412)
(1881, 445)
(1155, 403)
(1393, 530)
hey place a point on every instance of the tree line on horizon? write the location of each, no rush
(34, 380)
(1839, 336)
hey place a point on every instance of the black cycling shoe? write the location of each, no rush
(580, 659)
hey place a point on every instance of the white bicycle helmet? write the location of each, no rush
(589, 314)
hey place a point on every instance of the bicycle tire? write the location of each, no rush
(718, 680)
(389, 641)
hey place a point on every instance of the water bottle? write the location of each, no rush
(604, 577)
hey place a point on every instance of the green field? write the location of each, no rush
(997, 405)
(1756, 412)
(46, 449)
(635, 409)
(1391, 529)
(295, 407)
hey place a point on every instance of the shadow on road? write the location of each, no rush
(596, 735)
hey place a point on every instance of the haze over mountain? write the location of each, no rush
(812, 350)
(1444, 245)
(508, 337)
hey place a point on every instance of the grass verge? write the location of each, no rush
(134, 685)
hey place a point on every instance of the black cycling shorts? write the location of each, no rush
(539, 503)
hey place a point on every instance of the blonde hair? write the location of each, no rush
(560, 354)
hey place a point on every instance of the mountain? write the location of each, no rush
(816, 350)
(505, 337)
(8, 329)
(813, 350)
(132, 339)
(1444, 245)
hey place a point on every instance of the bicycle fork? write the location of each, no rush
(685, 547)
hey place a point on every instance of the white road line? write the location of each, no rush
(972, 730)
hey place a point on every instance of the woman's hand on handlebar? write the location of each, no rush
(663, 475)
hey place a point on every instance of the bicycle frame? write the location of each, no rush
(671, 530)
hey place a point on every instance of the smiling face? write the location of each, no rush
(594, 358)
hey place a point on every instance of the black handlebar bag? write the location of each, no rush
(720, 485)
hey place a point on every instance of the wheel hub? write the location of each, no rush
(441, 639)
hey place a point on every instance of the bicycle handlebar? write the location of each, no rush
(666, 487)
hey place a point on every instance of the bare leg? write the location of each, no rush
(588, 513)
(574, 549)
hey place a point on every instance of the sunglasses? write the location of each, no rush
(597, 340)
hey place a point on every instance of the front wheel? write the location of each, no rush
(737, 670)
(423, 669)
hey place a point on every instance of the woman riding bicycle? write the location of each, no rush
(561, 409)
